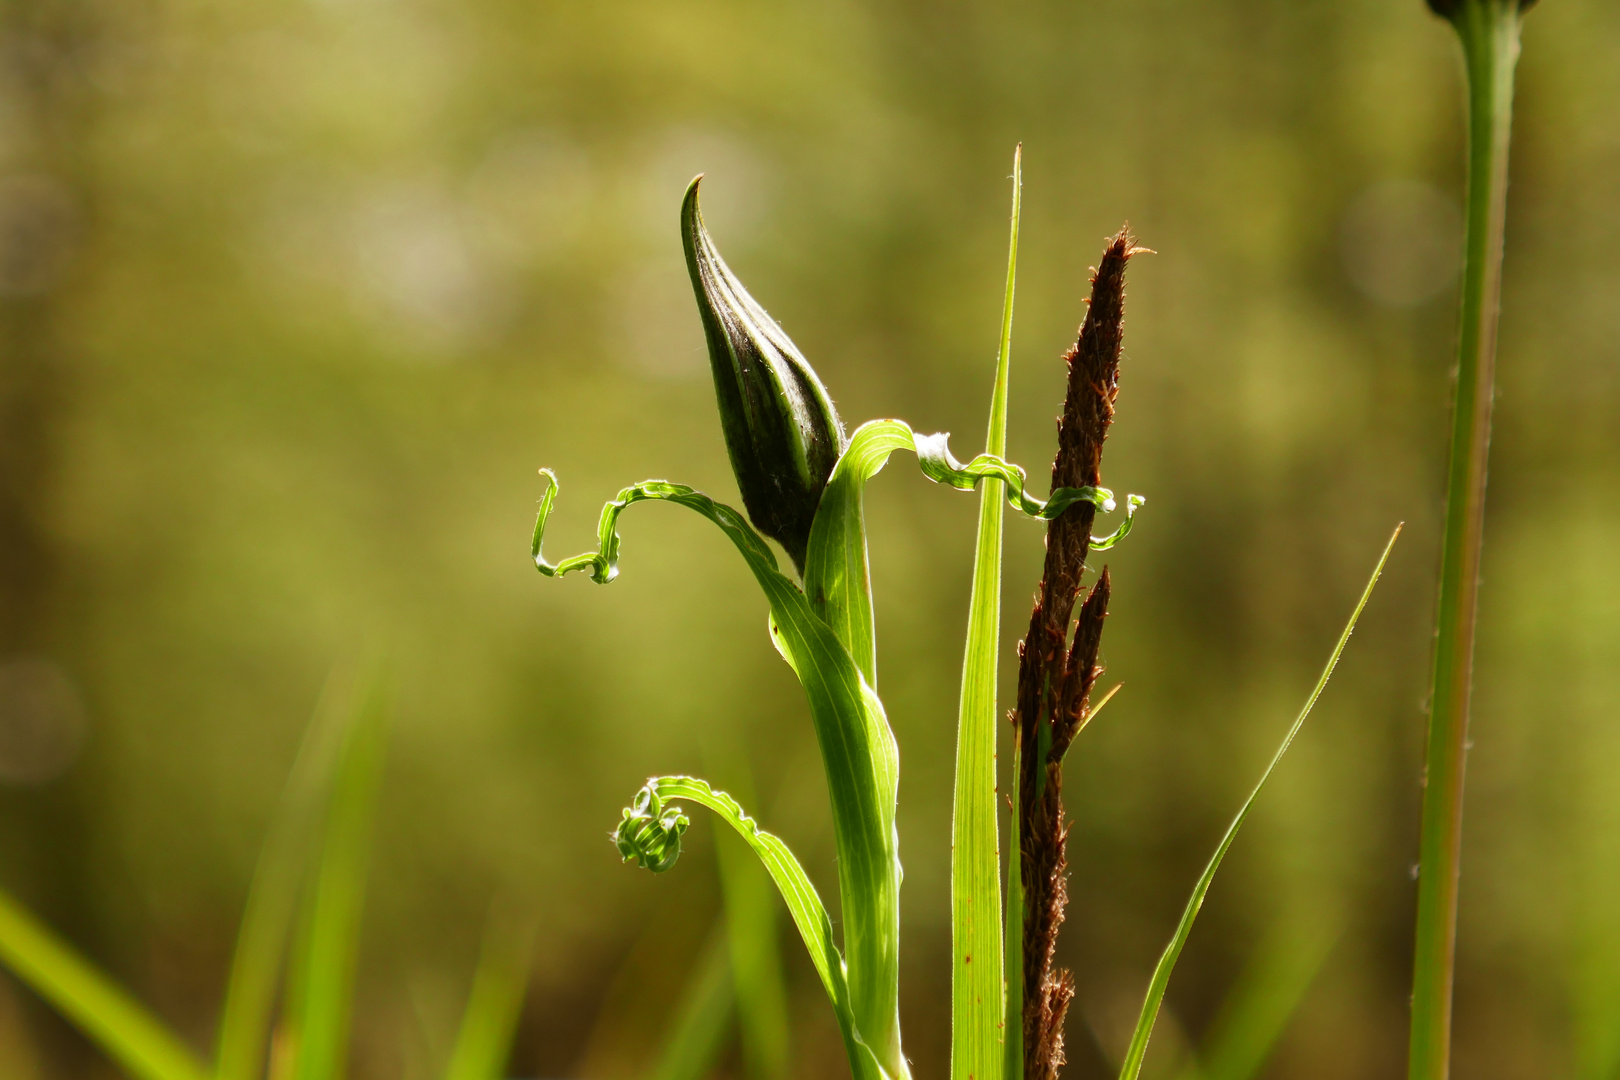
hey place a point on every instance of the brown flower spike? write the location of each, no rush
(1056, 672)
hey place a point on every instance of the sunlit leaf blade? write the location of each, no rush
(976, 929)
(1167, 962)
(128, 1034)
(1257, 1011)
(756, 960)
(803, 903)
(484, 1040)
(697, 1031)
(321, 979)
(261, 942)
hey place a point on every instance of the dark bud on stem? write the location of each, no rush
(1448, 9)
(781, 429)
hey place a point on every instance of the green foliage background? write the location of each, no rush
(295, 295)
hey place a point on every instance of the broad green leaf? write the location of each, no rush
(977, 988)
(321, 980)
(140, 1043)
(484, 1041)
(697, 1032)
(250, 995)
(1167, 962)
(1257, 1012)
(803, 902)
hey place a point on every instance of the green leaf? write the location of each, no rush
(484, 1041)
(261, 941)
(803, 902)
(321, 982)
(140, 1043)
(977, 986)
(1167, 962)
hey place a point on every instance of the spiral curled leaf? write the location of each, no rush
(781, 429)
(650, 833)
(803, 902)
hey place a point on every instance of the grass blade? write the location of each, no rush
(484, 1041)
(1167, 962)
(261, 942)
(140, 1043)
(696, 1034)
(1257, 1012)
(977, 986)
(322, 977)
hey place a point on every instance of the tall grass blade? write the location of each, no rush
(261, 942)
(1489, 32)
(140, 1043)
(754, 956)
(977, 987)
(697, 1033)
(321, 980)
(1167, 962)
(1253, 1018)
(484, 1041)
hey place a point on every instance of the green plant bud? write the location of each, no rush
(781, 429)
(651, 833)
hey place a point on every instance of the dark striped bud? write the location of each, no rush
(1447, 9)
(781, 429)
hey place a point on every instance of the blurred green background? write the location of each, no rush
(296, 295)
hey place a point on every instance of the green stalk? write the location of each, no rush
(976, 969)
(1489, 32)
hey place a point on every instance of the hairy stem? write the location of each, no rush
(1489, 32)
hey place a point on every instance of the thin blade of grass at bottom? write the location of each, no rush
(125, 1031)
(321, 981)
(261, 942)
(484, 1040)
(1167, 962)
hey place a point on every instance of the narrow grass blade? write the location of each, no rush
(697, 1031)
(1257, 1012)
(755, 958)
(261, 942)
(803, 902)
(1167, 962)
(321, 981)
(484, 1042)
(140, 1043)
(977, 985)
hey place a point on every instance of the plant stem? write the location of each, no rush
(976, 971)
(1489, 32)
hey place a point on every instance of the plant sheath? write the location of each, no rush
(1489, 32)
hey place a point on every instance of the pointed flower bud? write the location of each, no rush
(781, 429)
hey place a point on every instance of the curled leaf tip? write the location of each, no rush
(781, 430)
(650, 833)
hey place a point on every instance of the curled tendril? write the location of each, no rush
(650, 832)
(877, 436)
